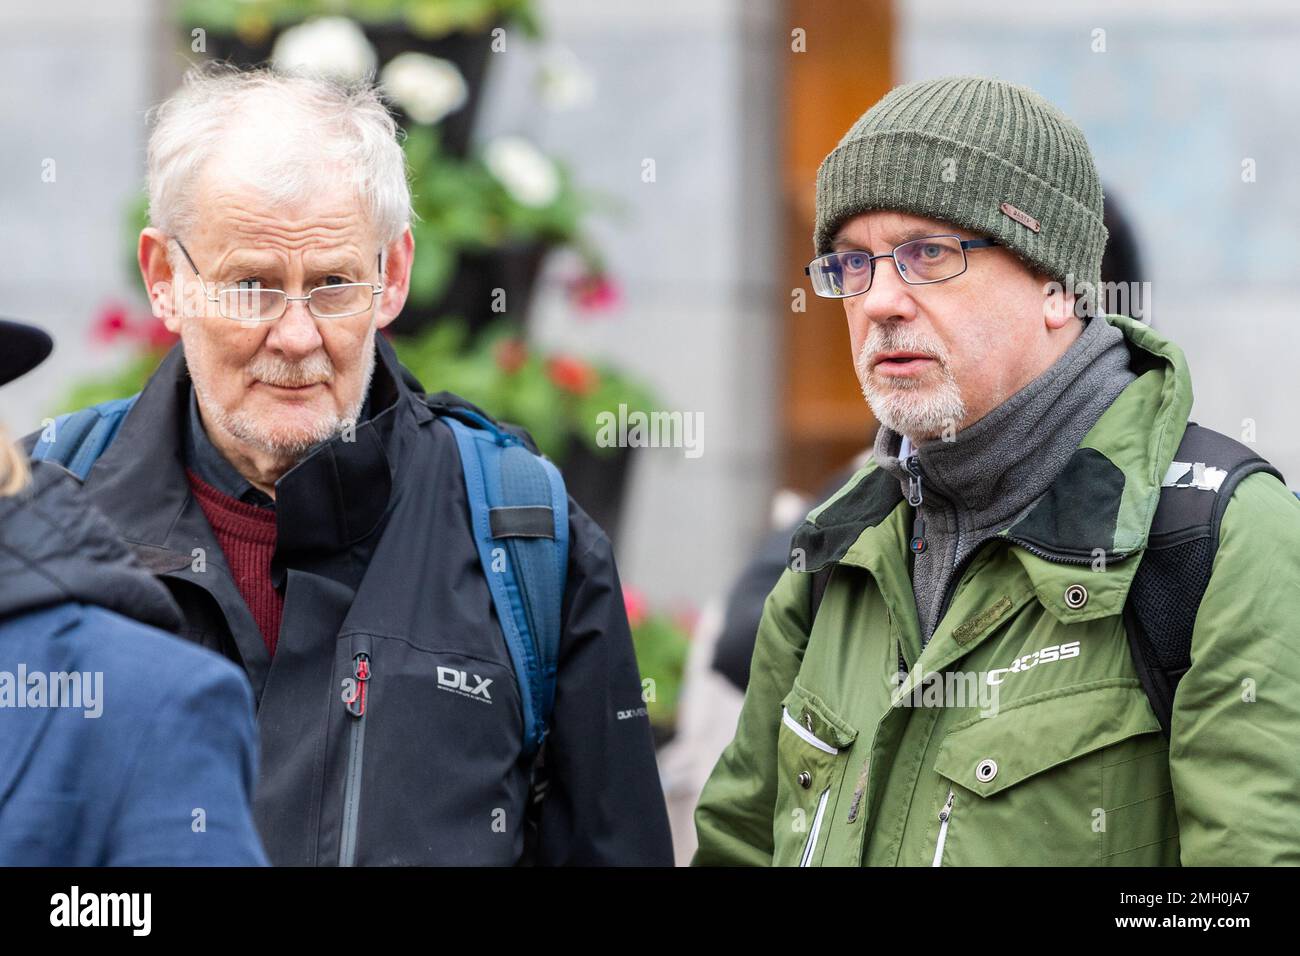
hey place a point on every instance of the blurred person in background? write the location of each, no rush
(120, 744)
(973, 654)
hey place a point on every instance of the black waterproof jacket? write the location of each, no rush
(375, 554)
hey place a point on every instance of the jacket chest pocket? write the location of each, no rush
(1066, 779)
(812, 755)
(425, 757)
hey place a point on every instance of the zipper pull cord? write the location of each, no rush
(914, 498)
(354, 696)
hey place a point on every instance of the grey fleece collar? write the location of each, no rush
(1003, 462)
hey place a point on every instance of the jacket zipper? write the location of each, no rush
(945, 815)
(354, 699)
(912, 465)
(1037, 552)
(811, 845)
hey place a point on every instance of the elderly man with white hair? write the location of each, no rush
(443, 669)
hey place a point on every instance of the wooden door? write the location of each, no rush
(846, 67)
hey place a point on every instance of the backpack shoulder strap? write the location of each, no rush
(821, 578)
(77, 439)
(519, 512)
(1175, 567)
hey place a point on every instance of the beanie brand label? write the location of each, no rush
(1020, 216)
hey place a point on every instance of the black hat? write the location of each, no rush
(22, 348)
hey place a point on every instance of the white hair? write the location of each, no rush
(320, 126)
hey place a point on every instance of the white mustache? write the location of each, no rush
(276, 371)
(896, 342)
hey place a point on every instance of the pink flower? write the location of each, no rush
(634, 602)
(594, 292)
(117, 321)
(111, 324)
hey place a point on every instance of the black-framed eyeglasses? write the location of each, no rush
(840, 275)
(248, 301)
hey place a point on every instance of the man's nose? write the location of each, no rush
(295, 334)
(889, 299)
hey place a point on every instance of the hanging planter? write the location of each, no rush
(348, 47)
(484, 226)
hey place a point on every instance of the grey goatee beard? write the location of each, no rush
(917, 407)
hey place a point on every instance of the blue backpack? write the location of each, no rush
(519, 511)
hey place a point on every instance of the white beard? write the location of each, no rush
(912, 407)
(289, 445)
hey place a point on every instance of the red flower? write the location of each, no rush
(511, 354)
(111, 324)
(116, 321)
(634, 602)
(573, 375)
(594, 293)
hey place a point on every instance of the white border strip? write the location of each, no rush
(804, 734)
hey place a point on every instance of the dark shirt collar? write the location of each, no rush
(204, 459)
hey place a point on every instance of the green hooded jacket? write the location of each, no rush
(1035, 743)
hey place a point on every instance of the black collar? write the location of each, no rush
(333, 498)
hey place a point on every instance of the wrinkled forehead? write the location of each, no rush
(243, 199)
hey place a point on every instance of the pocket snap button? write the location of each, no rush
(1076, 596)
(986, 770)
(805, 779)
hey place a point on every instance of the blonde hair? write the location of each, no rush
(14, 473)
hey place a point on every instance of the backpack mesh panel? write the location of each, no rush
(1166, 595)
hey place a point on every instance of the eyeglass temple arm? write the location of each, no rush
(186, 253)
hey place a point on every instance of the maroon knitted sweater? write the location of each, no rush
(246, 534)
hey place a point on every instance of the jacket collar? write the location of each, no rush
(54, 550)
(334, 497)
(1098, 509)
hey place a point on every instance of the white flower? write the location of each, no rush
(563, 81)
(426, 87)
(330, 46)
(527, 174)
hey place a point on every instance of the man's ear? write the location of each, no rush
(1058, 303)
(156, 270)
(398, 258)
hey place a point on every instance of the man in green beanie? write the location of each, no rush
(973, 655)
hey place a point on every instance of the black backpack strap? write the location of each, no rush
(1175, 568)
(821, 578)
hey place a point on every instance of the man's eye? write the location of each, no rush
(335, 280)
(933, 250)
(854, 262)
(252, 283)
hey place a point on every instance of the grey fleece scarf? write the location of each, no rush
(997, 468)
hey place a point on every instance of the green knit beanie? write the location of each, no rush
(980, 154)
